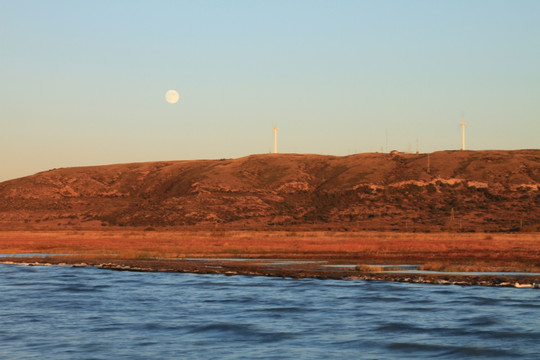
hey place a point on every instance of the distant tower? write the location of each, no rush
(463, 134)
(275, 139)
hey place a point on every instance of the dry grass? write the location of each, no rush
(442, 251)
(511, 266)
(368, 268)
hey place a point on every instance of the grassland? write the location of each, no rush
(441, 251)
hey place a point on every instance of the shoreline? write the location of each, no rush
(284, 268)
(456, 258)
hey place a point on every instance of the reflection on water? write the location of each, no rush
(389, 268)
(28, 255)
(495, 273)
(67, 313)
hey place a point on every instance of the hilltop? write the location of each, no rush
(442, 191)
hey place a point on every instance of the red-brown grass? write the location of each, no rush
(442, 251)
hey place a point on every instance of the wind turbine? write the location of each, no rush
(275, 139)
(463, 133)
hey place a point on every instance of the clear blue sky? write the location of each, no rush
(84, 82)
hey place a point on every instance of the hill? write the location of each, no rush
(446, 190)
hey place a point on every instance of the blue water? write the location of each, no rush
(88, 313)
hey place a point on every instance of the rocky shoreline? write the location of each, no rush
(280, 268)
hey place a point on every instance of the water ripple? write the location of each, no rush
(449, 351)
(66, 313)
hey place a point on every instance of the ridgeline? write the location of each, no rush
(442, 191)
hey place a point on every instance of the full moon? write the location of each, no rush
(172, 96)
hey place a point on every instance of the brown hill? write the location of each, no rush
(446, 190)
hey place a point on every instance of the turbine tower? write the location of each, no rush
(275, 139)
(463, 134)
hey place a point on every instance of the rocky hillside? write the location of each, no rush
(446, 190)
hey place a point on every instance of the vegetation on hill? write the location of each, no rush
(441, 191)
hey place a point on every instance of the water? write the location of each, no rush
(29, 255)
(88, 313)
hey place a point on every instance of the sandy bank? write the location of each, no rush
(280, 268)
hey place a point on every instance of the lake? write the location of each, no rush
(51, 312)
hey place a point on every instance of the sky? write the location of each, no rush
(84, 82)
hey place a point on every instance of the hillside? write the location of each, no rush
(446, 190)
